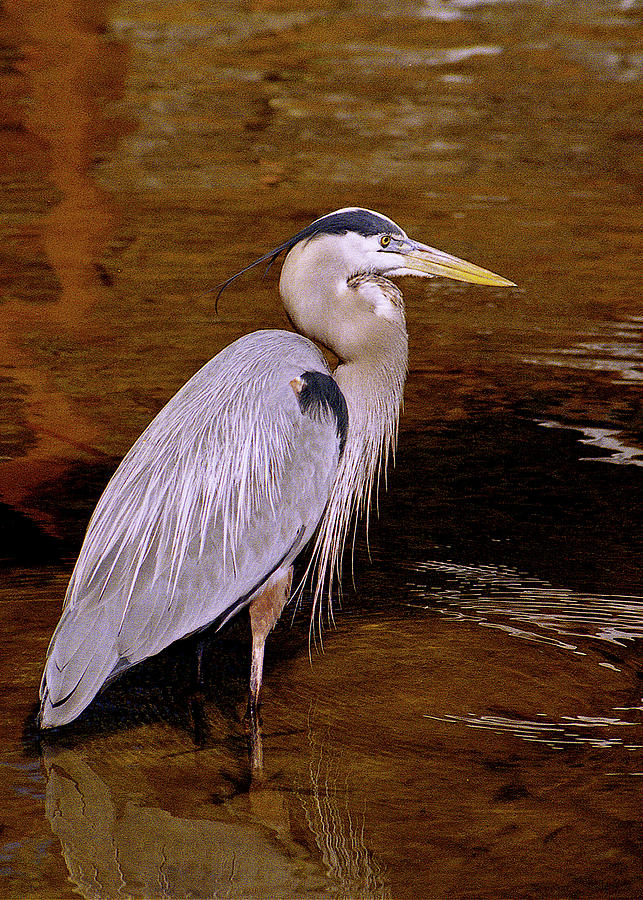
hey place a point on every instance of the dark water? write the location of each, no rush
(473, 726)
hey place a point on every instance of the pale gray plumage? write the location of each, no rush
(226, 486)
(191, 482)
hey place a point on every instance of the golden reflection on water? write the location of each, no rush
(67, 70)
(265, 842)
(389, 717)
(417, 734)
(115, 845)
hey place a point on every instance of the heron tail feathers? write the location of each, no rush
(76, 669)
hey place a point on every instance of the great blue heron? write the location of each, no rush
(262, 449)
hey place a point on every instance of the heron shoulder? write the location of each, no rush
(319, 397)
(246, 382)
(270, 350)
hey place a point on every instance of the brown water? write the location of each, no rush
(474, 724)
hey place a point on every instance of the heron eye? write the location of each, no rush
(385, 240)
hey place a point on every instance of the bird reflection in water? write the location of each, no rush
(265, 842)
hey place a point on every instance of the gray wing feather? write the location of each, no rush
(228, 478)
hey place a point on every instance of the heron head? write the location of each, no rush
(335, 269)
(368, 242)
(335, 279)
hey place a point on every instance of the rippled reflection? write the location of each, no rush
(598, 732)
(498, 596)
(529, 609)
(339, 834)
(613, 347)
(116, 841)
(117, 846)
(605, 439)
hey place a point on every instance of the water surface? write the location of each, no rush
(473, 725)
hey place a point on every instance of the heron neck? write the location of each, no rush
(373, 384)
(372, 349)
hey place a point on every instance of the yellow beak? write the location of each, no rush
(430, 261)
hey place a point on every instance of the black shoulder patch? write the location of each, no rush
(319, 395)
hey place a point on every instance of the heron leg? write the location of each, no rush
(265, 610)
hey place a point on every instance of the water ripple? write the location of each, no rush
(611, 347)
(503, 598)
(607, 439)
(597, 732)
